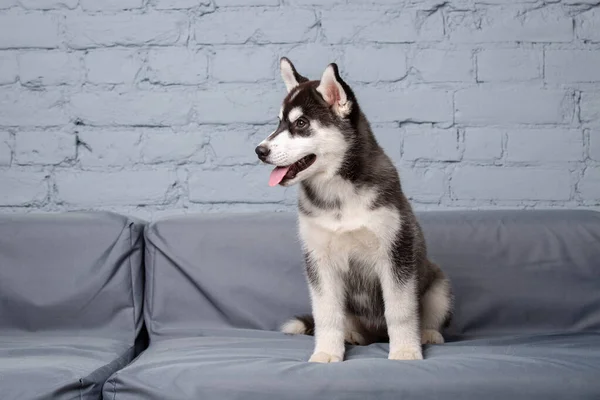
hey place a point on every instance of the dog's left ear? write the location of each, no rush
(332, 90)
(290, 76)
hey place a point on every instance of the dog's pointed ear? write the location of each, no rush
(290, 76)
(332, 90)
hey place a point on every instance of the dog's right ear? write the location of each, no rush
(290, 76)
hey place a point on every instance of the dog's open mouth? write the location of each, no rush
(281, 174)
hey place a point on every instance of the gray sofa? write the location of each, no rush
(71, 291)
(526, 325)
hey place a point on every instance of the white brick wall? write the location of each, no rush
(515, 105)
(5, 148)
(172, 66)
(112, 66)
(154, 107)
(9, 69)
(29, 31)
(44, 147)
(49, 68)
(126, 29)
(506, 65)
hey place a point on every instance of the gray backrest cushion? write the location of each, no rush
(512, 271)
(71, 272)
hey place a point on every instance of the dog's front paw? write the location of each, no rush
(406, 353)
(322, 357)
(431, 336)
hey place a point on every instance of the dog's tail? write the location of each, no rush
(299, 325)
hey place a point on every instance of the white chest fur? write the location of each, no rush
(353, 229)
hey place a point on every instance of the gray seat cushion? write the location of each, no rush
(71, 292)
(258, 365)
(526, 321)
(40, 368)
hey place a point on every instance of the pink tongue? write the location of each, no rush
(277, 175)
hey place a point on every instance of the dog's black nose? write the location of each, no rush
(262, 152)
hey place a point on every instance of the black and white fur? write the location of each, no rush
(366, 260)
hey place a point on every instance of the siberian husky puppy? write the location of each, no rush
(366, 259)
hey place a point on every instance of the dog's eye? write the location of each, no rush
(301, 123)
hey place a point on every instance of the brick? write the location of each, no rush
(126, 147)
(7, 4)
(359, 63)
(131, 108)
(372, 26)
(31, 108)
(588, 25)
(8, 67)
(235, 145)
(126, 29)
(311, 59)
(423, 184)
(261, 26)
(243, 64)
(483, 105)
(89, 188)
(417, 105)
(111, 5)
(483, 144)
(46, 148)
(594, 150)
(28, 31)
(5, 148)
(178, 148)
(511, 183)
(504, 2)
(544, 145)
(247, 184)
(226, 3)
(590, 107)
(322, 3)
(177, 66)
(112, 66)
(509, 25)
(49, 68)
(178, 4)
(20, 188)
(109, 147)
(505, 65)
(589, 185)
(427, 143)
(237, 103)
(390, 139)
(384, 2)
(567, 66)
(444, 65)
(48, 4)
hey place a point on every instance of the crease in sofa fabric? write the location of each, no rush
(135, 246)
(131, 279)
(90, 386)
(102, 260)
(177, 262)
